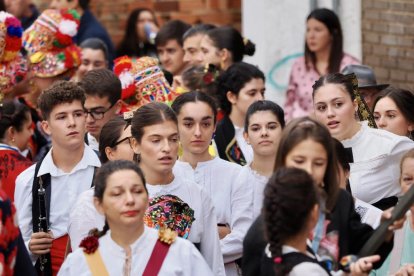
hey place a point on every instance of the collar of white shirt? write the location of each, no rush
(89, 158)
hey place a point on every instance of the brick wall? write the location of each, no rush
(388, 40)
(113, 14)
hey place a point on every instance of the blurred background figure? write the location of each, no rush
(224, 46)
(367, 83)
(323, 54)
(169, 43)
(192, 42)
(24, 10)
(394, 111)
(94, 55)
(138, 40)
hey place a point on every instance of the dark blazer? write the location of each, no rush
(352, 236)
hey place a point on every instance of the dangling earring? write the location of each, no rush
(222, 64)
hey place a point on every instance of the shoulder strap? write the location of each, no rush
(157, 258)
(43, 264)
(96, 264)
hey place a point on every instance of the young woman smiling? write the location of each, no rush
(376, 153)
(197, 116)
(154, 129)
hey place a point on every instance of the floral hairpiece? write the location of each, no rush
(67, 28)
(13, 37)
(364, 113)
(89, 244)
(211, 72)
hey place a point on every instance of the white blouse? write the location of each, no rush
(66, 187)
(257, 183)
(204, 228)
(375, 171)
(83, 218)
(231, 200)
(182, 257)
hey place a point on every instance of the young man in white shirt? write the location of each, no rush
(103, 102)
(66, 171)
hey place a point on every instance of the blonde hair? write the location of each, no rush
(408, 154)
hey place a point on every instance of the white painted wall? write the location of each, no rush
(278, 29)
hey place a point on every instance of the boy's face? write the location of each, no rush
(66, 125)
(98, 107)
(171, 57)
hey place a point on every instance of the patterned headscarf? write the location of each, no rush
(13, 67)
(49, 43)
(142, 82)
(169, 211)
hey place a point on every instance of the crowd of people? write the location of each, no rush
(162, 156)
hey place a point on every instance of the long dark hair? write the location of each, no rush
(331, 21)
(13, 114)
(289, 198)
(403, 99)
(129, 43)
(101, 178)
(150, 114)
(297, 131)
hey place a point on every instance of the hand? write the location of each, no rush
(364, 265)
(398, 224)
(223, 231)
(406, 270)
(40, 243)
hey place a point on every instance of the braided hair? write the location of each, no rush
(283, 215)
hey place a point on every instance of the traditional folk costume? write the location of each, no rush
(375, 168)
(149, 255)
(181, 206)
(142, 82)
(202, 230)
(62, 191)
(231, 145)
(13, 68)
(51, 52)
(231, 200)
(257, 183)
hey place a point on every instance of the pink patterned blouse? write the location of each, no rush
(299, 93)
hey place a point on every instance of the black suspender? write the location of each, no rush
(41, 195)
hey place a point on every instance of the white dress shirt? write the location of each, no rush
(182, 257)
(92, 142)
(65, 187)
(375, 171)
(83, 218)
(231, 200)
(204, 228)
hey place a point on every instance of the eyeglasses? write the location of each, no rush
(123, 140)
(97, 113)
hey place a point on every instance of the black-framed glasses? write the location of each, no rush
(97, 113)
(123, 140)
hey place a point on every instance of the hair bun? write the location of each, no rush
(249, 47)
